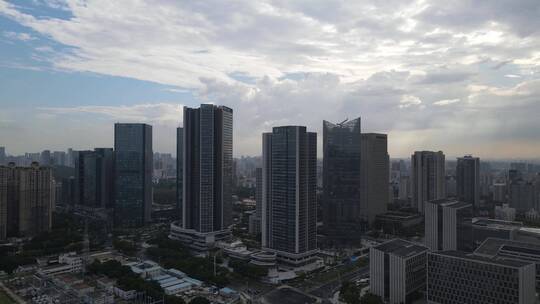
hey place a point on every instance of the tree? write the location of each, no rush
(199, 300)
(370, 298)
(350, 293)
(174, 300)
(126, 247)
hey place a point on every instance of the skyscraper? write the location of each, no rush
(133, 174)
(5, 178)
(343, 216)
(94, 171)
(59, 158)
(428, 177)
(523, 195)
(45, 158)
(448, 225)
(468, 180)
(375, 175)
(79, 164)
(289, 194)
(179, 170)
(2, 155)
(26, 200)
(205, 147)
(255, 219)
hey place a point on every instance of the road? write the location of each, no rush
(328, 289)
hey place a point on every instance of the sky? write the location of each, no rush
(460, 76)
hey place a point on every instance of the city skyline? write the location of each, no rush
(435, 76)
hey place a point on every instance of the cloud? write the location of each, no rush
(445, 102)
(409, 100)
(18, 36)
(159, 113)
(432, 74)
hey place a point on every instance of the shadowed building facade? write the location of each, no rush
(428, 178)
(342, 211)
(204, 147)
(26, 200)
(133, 174)
(289, 212)
(468, 180)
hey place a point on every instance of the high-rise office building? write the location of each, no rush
(133, 174)
(457, 277)
(468, 180)
(26, 200)
(255, 219)
(70, 158)
(397, 270)
(94, 171)
(5, 180)
(59, 158)
(79, 164)
(289, 194)
(179, 170)
(206, 182)
(404, 188)
(344, 217)
(428, 177)
(46, 158)
(375, 175)
(448, 225)
(2, 155)
(523, 195)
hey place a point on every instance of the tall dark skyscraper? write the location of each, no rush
(342, 212)
(2, 155)
(428, 178)
(179, 170)
(205, 147)
(133, 174)
(289, 205)
(468, 180)
(79, 163)
(94, 174)
(255, 219)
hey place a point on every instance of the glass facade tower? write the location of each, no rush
(133, 174)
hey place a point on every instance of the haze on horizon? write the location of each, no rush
(458, 76)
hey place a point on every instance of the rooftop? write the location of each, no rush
(491, 247)
(498, 224)
(398, 215)
(481, 259)
(449, 202)
(401, 248)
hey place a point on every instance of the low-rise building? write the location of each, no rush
(515, 250)
(483, 228)
(448, 225)
(457, 277)
(146, 269)
(395, 221)
(397, 270)
(200, 243)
